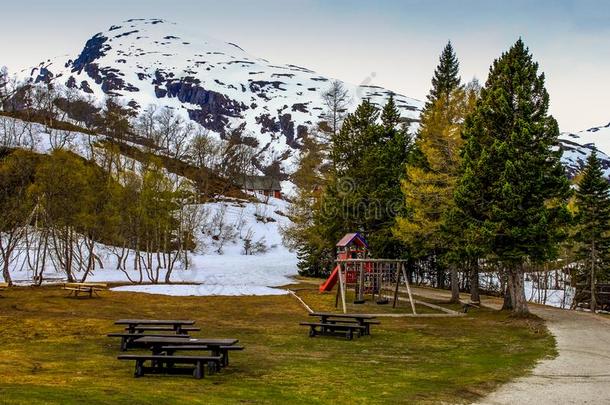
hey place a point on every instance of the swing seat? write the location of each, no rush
(384, 301)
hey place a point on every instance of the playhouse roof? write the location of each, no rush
(352, 237)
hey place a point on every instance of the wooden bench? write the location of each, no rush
(363, 322)
(223, 351)
(128, 339)
(87, 288)
(175, 324)
(183, 330)
(3, 286)
(341, 329)
(361, 319)
(163, 364)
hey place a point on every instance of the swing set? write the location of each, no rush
(379, 279)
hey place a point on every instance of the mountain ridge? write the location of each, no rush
(214, 83)
(231, 92)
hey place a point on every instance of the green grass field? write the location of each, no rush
(54, 350)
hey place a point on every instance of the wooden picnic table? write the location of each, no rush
(87, 288)
(159, 345)
(176, 324)
(332, 318)
(156, 343)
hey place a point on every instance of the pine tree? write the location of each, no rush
(390, 117)
(593, 225)
(386, 169)
(513, 189)
(445, 78)
(429, 190)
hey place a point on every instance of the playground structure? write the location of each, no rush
(355, 270)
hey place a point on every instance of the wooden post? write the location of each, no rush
(337, 296)
(398, 264)
(342, 287)
(404, 273)
(361, 282)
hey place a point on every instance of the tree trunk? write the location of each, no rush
(593, 303)
(455, 285)
(474, 283)
(508, 294)
(6, 274)
(520, 307)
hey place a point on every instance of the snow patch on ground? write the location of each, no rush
(182, 290)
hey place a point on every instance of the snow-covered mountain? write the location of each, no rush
(230, 92)
(215, 83)
(577, 148)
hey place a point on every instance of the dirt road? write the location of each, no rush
(580, 374)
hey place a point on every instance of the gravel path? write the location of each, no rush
(580, 374)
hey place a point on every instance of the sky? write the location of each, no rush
(394, 44)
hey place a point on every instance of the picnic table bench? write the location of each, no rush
(136, 329)
(177, 325)
(163, 364)
(169, 345)
(340, 324)
(343, 329)
(360, 319)
(223, 350)
(128, 340)
(87, 288)
(182, 331)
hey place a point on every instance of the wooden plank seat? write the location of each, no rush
(362, 319)
(338, 329)
(223, 351)
(128, 340)
(362, 322)
(143, 328)
(163, 364)
(175, 324)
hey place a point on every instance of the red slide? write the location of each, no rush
(331, 281)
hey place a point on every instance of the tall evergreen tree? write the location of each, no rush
(593, 225)
(445, 81)
(429, 190)
(513, 188)
(359, 190)
(445, 78)
(390, 117)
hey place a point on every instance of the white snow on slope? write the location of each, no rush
(209, 273)
(598, 136)
(216, 83)
(227, 273)
(577, 148)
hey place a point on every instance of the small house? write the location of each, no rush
(266, 185)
